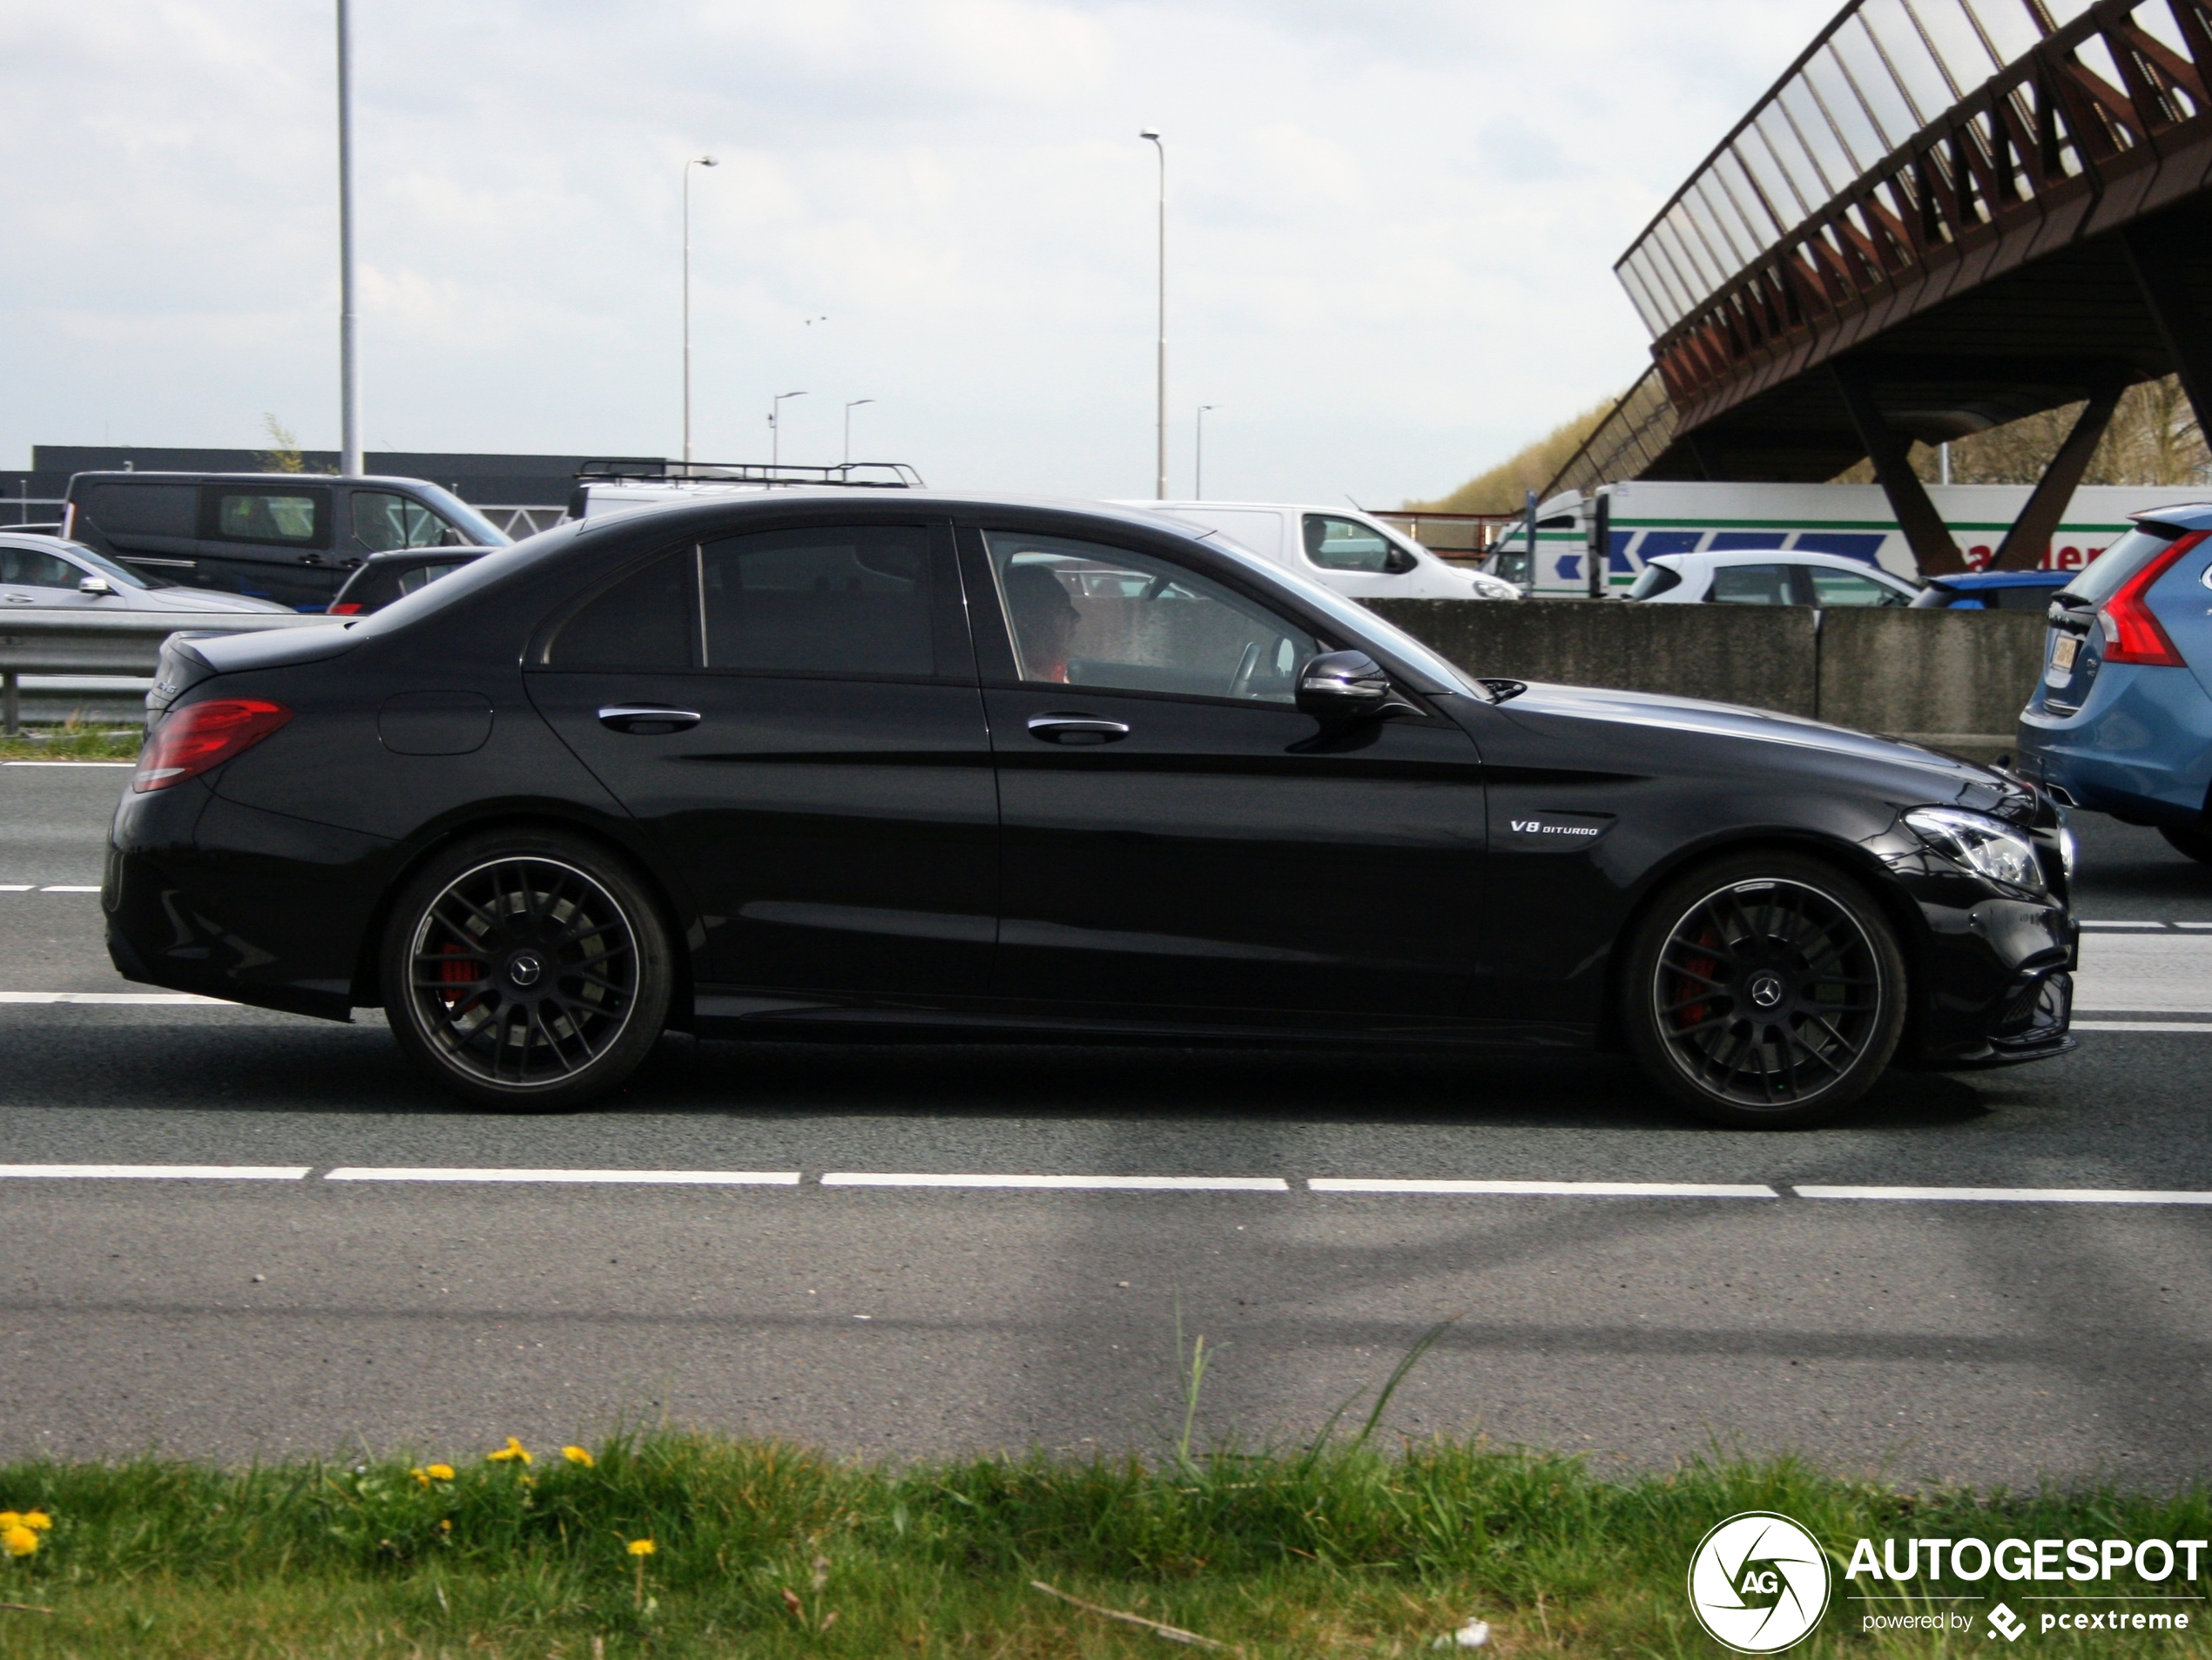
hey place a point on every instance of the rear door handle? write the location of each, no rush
(647, 719)
(1076, 729)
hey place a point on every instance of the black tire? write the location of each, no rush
(2194, 842)
(526, 970)
(1765, 991)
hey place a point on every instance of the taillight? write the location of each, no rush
(200, 735)
(2132, 633)
(344, 607)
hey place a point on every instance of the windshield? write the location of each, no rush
(480, 530)
(1354, 617)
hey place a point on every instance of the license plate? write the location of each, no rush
(2064, 651)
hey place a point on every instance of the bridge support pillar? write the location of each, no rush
(2030, 538)
(1891, 453)
(2160, 253)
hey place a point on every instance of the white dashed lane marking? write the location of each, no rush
(127, 997)
(1104, 1183)
(2011, 1195)
(647, 1177)
(1554, 1190)
(160, 1172)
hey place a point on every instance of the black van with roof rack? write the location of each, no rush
(287, 536)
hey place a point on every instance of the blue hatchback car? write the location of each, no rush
(2122, 721)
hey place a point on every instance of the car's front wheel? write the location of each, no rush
(1765, 991)
(526, 970)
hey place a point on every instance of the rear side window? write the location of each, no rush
(141, 509)
(1346, 545)
(1750, 586)
(842, 600)
(647, 620)
(287, 518)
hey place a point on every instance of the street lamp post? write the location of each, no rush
(1199, 460)
(696, 161)
(349, 386)
(1161, 483)
(776, 427)
(849, 407)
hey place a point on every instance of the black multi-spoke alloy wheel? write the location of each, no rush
(1764, 991)
(526, 970)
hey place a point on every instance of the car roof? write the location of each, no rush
(426, 555)
(1968, 580)
(141, 478)
(710, 504)
(1689, 562)
(2186, 516)
(67, 549)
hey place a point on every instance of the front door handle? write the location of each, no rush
(647, 719)
(1076, 729)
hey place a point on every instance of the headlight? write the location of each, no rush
(1987, 846)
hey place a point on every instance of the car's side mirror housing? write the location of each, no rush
(1342, 685)
(95, 585)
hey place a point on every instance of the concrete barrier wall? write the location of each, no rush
(1956, 679)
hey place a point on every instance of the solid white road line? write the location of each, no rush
(2202, 1026)
(647, 1177)
(114, 997)
(2086, 923)
(1565, 1189)
(60, 888)
(2010, 1195)
(1145, 1184)
(163, 1172)
(132, 764)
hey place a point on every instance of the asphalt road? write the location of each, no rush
(1990, 1339)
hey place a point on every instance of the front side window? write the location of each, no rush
(1831, 587)
(845, 600)
(1084, 615)
(384, 524)
(31, 568)
(1750, 586)
(297, 517)
(1346, 545)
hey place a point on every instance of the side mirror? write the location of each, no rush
(95, 585)
(1342, 685)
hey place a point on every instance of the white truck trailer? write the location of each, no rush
(1649, 516)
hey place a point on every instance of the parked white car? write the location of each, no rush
(1354, 554)
(49, 573)
(1769, 578)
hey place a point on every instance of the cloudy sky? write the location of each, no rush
(1392, 224)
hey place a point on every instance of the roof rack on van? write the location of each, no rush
(851, 474)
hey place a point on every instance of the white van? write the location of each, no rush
(1649, 517)
(1352, 553)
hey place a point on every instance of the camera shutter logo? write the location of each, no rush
(1758, 1582)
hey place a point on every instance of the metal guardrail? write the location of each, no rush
(129, 642)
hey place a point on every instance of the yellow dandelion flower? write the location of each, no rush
(19, 1540)
(421, 1477)
(37, 1519)
(578, 1455)
(441, 1472)
(641, 1547)
(513, 1449)
(9, 1518)
(446, 1526)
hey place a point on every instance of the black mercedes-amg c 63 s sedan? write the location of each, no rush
(855, 763)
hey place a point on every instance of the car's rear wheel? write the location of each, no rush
(1765, 991)
(526, 970)
(2194, 842)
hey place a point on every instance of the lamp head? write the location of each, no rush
(706, 161)
(1148, 133)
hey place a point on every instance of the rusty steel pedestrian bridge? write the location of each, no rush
(1946, 215)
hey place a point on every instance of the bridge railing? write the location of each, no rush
(1908, 130)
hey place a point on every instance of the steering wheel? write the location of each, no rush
(1240, 684)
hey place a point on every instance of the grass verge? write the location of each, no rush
(760, 1548)
(70, 742)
